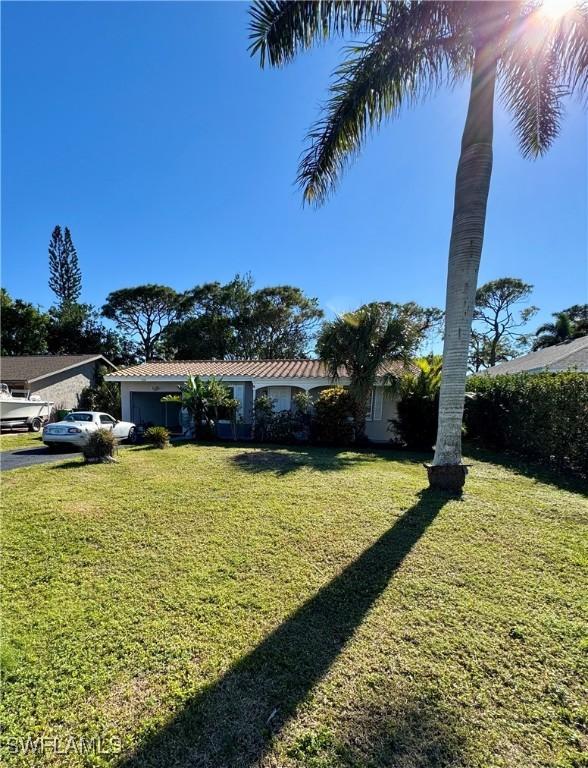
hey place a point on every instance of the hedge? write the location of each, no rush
(540, 415)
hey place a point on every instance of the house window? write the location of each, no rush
(281, 397)
(369, 413)
(237, 392)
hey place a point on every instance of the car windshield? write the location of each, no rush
(78, 417)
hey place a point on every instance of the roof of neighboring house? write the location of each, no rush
(261, 369)
(30, 368)
(561, 357)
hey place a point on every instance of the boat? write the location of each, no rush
(21, 409)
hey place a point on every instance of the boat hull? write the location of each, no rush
(23, 412)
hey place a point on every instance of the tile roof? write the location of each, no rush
(561, 357)
(27, 368)
(270, 369)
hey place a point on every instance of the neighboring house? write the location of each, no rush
(568, 356)
(58, 378)
(143, 386)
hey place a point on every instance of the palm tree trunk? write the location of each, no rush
(469, 216)
(360, 395)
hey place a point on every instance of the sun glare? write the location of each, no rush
(554, 9)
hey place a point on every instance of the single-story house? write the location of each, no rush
(57, 378)
(142, 387)
(568, 356)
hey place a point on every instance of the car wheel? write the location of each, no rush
(35, 425)
(132, 436)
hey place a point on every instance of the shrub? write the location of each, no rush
(541, 415)
(158, 437)
(287, 427)
(332, 422)
(263, 411)
(103, 397)
(100, 447)
(283, 427)
(302, 404)
(416, 425)
(418, 407)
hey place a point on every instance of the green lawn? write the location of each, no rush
(231, 606)
(10, 441)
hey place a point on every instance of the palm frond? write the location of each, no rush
(416, 50)
(532, 93)
(279, 30)
(570, 44)
(548, 328)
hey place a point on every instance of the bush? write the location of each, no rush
(101, 446)
(418, 407)
(332, 422)
(105, 397)
(542, 415)
(416, 425)
(263, 411)
(283, 427)
(158, 437)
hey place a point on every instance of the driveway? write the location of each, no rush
(27, 457)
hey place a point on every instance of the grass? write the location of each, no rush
(232, 606)
(10, 441)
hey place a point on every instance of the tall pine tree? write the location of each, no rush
(65, 276)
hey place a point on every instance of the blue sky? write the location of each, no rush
(148, 130)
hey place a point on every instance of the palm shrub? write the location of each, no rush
(158, 437)
(100, 447)
(418, 406)
(203, 399)
(332, 420)
(413, 49)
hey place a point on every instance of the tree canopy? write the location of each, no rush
(237, 321)
(144, 312)
(498, 321)
(23, 330)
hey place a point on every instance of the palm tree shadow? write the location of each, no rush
(288, 459)
(231, 723)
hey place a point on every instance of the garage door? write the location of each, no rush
(147, 409)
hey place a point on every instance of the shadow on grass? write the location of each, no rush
(533, 469)
(287, 459)
(407, 728)
(232, 722)
(73, 464)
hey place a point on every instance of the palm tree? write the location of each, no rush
(549, 334)
(363, 342)
(202, 399)
(413, 48)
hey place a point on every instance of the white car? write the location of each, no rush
(77, 426)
